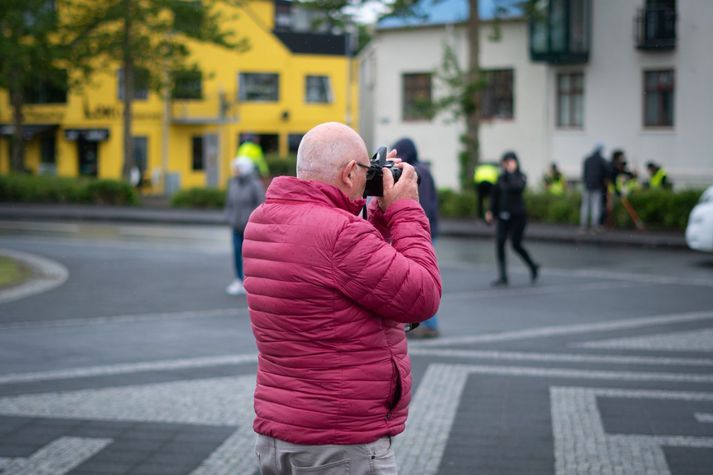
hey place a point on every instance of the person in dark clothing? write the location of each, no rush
(508, 208)
(595, 177)
(428, 198)
(484, 178)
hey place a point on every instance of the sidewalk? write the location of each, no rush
(449, 227)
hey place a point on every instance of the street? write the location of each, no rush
(131, 359)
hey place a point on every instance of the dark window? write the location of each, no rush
(259, 87)
(570, 100)
(658, 98)
(188, 16)
(416, 96)
(496, 100)
(141, 152)
(293, 142)
(48, 90)
(197, 148)
(283, 16)
(187, 85)
(317, 89)
(269, 143)
(141, 83)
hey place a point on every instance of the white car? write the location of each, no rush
(699, 232)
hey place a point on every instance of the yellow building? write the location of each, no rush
(287, 82)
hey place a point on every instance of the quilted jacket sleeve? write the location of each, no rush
(398, 281)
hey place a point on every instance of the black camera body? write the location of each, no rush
(375, 173)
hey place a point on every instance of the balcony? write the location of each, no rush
(655, 29)
(560, 31)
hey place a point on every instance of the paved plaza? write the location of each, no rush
(126, 357)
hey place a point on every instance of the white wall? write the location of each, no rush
(613, 110)
(421, 50)
(613, 107)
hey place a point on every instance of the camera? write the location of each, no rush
(375, 173)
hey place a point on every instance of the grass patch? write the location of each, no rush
(12, 272)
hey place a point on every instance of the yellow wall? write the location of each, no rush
(97, 105)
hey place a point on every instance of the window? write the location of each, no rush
(293, 142)
(496, 99)
(317, 90)
(570, 100)
(141, 152)
(416, 96)
(259, 87)
(658, 98)
(48, 90)
(141, 83)
(197, 148)
(187, 16)
(187, 85)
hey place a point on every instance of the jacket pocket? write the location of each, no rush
(396, 386)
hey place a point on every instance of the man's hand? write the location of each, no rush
(405, 188)
(488, 218)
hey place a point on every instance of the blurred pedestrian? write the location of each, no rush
(595, 177)
(250, 148)
(328, 299)
(484, 178)
(428, 197)
(245, 193)
(659, 178)
(508, 208)
(555, 184)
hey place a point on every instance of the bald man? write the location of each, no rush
(328, 296)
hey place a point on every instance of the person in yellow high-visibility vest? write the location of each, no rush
(659, 179)
(555, 183)
(251, 149)
(485, 176)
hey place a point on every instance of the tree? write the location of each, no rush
(148, 38)
(30, 55)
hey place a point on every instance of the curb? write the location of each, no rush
(461, 228)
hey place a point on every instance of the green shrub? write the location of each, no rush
(199, 198)
(657, 209)
(49, 189)
(280, 166)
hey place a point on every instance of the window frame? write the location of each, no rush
(491, 87)
(661, 122)
(139, 93)
(197, 162)
(410, 94)
(571, 93)
(183, 75)
(329, 99)
(242, 93)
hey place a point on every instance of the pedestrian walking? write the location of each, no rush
(250, 148)
(245, 193)
(428, 197)
(328, 298)
(595, 177)
(508, 208)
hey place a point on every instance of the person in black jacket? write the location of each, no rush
(508, 208)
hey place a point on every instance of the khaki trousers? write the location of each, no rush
(276, 457)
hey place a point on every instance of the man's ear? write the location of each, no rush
(346, 176)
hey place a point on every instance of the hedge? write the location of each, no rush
(657, 209)
(280, 166)
(49, 189)
(199, 198)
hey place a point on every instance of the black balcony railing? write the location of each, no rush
(656, 29)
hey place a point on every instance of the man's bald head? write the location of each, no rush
(325, 149)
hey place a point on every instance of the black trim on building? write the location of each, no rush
(314, 43)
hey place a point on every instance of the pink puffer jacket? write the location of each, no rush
(328, 298)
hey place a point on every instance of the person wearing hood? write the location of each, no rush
(245, 193)
(508, 208)
(428, 198)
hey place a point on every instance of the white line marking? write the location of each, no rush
(563, 357)
(129, 368)
(539, 290)
(550, 331)
(221, 312)
(704, 418)
(48, 274)
(57, 458)
(696, 340)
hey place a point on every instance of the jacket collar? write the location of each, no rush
(289, 188)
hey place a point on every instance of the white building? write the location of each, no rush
(633, 74)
